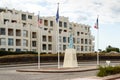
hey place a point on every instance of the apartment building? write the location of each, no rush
(22, 31)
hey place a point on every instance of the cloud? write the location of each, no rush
(77, 10)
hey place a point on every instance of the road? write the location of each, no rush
(9, 73)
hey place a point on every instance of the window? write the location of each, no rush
(2, 31)
(60, 23)
(73, 40)
(23, 16)
(18, 50)
(70, 25)
(10, 32)
(44, 38)
(34, 35)
(78, 40)
(25, 42)
(82, 48)
(82, 33)
(60, 31)
(65, 24)
(25, 33)
(74, 25)
(82, 41)
(90, 48)
(10, 42)
(25, 49)
(18, 42)
(60, 39)
(88, 29)
(13, 21)
(49, 46)
(78, 33)
(60, 47)
(44, 46)
(18, 32)
(10, 49)
(46, 22)
(51, 23)
(50, 30)
(29, 17)
(85, 28)
(64, 39)
(33, 43)
(24, 24)
(45, 29)
(2, 41)
(6, 20)
(34, 50)
(64, 47)
(2, 49)
(90, 41)
(78, 47)
(50, 38)
(86, 48)
(86, 41)
(65, 30)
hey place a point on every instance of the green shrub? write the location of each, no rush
(109, 70)
(3, 53)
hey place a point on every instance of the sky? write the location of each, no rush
(79, 11)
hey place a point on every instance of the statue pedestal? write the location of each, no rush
(70, 58)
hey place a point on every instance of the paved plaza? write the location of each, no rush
(9, 73)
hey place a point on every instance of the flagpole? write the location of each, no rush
(58, 48)
(98, 47)
(97, 41)
(38, 43)
(57, 40)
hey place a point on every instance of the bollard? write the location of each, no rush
(108, 63)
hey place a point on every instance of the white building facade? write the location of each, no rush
(21, 31)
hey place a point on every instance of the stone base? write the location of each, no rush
(70, 58)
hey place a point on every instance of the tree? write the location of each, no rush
(110, 48)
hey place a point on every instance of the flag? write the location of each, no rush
(96, 24)
(57, 14)
(39, 21)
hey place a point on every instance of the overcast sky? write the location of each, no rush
(80, 11)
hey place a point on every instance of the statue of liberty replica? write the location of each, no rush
(70, 58)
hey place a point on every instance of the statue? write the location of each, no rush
(70, 58)
(71, 39)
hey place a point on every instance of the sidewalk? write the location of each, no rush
(60, 70)
(111, 77)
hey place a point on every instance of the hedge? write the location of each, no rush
(3, 53)
(23, 57)
(109, 70)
